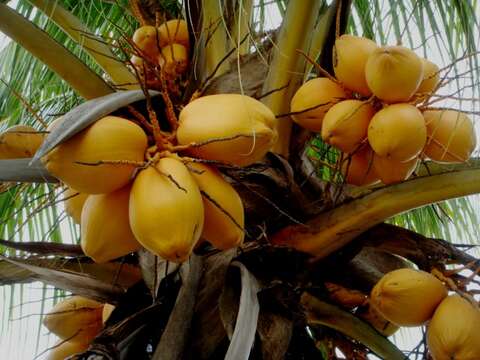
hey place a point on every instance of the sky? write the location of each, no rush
(20, 342)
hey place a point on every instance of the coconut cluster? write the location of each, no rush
(76, 321)
(127, 190)
(166, 46)
(374, 112)
(408, 297)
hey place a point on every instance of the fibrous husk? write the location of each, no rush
(74, 204)
(394, 73)
(350, 54)
(147, 39)
(345, 125)
(454, 331)
(173, 59)
(105, 228)
(174, 32)
(230, 128)
(312, 101)
(107, 311)
(391, 171)
(64, 349)
(358, 170)
(450, 136)
(78, 161)
(19, 141)
(431, 78)
(224, 213)
(76, 319)
(166, 210)
(374, 318)
(398, 132)
(407, 297)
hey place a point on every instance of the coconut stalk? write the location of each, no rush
(78, 75)
(241, 27)
(320, 35)
(214, 37)
(287, 66)
(334, 229)
(92, 44)
(321, 313)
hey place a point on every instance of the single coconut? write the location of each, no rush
(358, 168)
(74, 201)
(230, 128)
(350, 55)
(20, 141)
(173, 59)
(345, 125)
(75, 319)
(407, 297)
(394, 73)
(398, 132)
(454, 331)
(431, 78)
(63, 349)
(147, 39)
(391, 171)
(224, 214)
(450, 136)
(105, 229)
(78, 161)
(166, 210)
(174, 32)
(312, 101)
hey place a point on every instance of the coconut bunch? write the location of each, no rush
(166, 46)
(129, 185)
(375, 111)
(408, 297)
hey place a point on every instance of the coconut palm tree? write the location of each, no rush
(314, 246)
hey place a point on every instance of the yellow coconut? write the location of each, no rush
(394, 73)
(224, 214)
(358, 170)
(147, 39)
(63, 349)
(312, 101)
(75, 319)
(407, 297)
(345, 124)
(350, 54)
(166, 210)
(391, 171)
(19, 141)
(431, 78)
(374, 318)
(107, 311)
(74, 201)
(77, 161)
(450, 136)
(398, 132)
(173, 59)
(105, 228)
(233, 128)
(454, 331)
(174, 32)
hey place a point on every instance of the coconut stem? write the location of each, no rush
(334, 229)
(319, 312)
